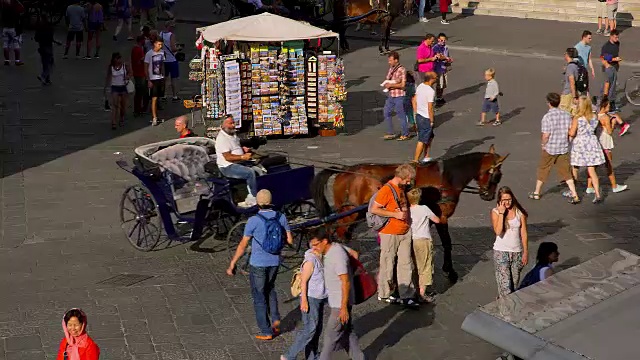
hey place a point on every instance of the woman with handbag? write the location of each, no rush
(76, 345)
(120, 82)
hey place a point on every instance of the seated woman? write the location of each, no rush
(76, 345)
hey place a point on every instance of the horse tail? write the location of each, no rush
(318, 186)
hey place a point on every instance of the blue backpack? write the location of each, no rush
(274, 239)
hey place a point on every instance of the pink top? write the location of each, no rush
(425, 52)
(611, 2)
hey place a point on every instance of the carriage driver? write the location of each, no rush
(230, 156)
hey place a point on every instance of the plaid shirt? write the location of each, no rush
(556, 123)
(398, 76)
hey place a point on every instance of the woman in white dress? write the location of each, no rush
(586, 150)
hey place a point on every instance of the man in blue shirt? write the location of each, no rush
(263, 266)
(584, 51)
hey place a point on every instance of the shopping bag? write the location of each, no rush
(107, 107)
(364, 284)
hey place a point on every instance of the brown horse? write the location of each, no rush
(382, 12)
(442, 183)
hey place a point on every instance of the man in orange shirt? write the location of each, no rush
(395, 237)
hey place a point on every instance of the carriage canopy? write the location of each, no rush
(264, 27)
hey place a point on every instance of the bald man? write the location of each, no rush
(182, 129)
(230, 156)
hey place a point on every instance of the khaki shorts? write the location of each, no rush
(567, 104)
(612, 11)
(561, 163)
(601, 9)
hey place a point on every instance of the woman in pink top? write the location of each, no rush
(425, 56)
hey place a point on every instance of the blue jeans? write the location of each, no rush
(421, 8)
(265, 300)
(237, 171)
(397, 104)
(308, 337)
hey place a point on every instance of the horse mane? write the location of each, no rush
(459, 170)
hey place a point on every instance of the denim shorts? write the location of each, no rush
(489, 106)
(119, 89)
(425, 131)
(172, 69)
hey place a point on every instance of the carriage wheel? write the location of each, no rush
(297, 213)
(632, 89)
(220, 222)
(139, 218)
(233, 239)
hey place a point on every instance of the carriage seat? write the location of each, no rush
(186, 161)
(185, 165)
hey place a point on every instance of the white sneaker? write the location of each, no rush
(154, 122)
(619, 188)
(444, 22)
(251, 200)
(590, 191)
(423, 20)
(244, 205)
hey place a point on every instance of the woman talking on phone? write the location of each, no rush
(511, 248)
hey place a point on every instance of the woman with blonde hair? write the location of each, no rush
(586, 150)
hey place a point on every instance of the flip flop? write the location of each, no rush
(403, 138)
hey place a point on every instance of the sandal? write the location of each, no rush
(480, 123)
(403, 138)
(574, 200)
(534, 196)
(390, 136)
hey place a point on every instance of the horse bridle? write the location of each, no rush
(495, 176)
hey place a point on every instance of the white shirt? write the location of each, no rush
(155, 61)
(424, 95)
(117, 76)
(227, 143)
(511, 240)
(420, 215)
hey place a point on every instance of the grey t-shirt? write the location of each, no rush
(610, 76)
(76, 16)
(336, 263)
(572, 69)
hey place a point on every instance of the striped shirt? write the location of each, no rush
(398, 75)
(556, 123)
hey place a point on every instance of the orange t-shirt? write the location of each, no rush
(385, 198)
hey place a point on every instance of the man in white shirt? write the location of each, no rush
(422, 103)
(229, 156)
(154, 65)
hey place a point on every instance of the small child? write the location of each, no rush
(442, 67)
(491, 94)
(422, 243)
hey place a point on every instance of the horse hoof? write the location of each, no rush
(453, 277)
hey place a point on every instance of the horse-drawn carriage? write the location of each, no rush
(183, 192)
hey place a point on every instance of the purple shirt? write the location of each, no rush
(424, 52)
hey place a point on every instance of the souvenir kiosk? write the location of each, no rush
(263, 70)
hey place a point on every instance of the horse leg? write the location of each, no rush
(445, 238)
(383, 26)
(344, 44)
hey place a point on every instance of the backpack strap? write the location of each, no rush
(395, 194)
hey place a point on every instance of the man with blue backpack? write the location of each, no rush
(267, 231)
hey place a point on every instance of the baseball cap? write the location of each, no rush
(607, 57)
(263, 197)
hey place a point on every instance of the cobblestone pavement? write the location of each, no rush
(61, 190)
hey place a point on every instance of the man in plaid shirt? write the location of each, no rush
(555, 148)
(394, 85)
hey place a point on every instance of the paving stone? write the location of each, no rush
(25, 355)
(20, 343)
(218, 354)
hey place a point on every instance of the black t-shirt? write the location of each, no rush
(612, 49)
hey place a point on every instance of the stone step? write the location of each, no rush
(538, 13)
